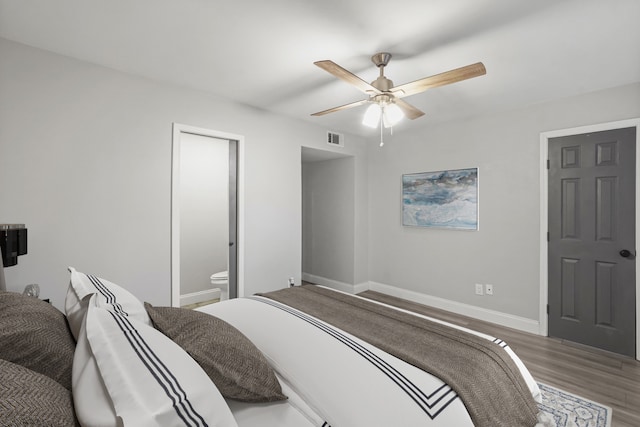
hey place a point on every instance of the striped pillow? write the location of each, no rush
(147, 379)
(116, 297)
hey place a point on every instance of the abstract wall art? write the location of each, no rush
(442, 199)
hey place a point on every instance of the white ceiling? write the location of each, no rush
(261, 52)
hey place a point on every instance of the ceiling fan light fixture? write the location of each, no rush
(391, 115)
(372, 116)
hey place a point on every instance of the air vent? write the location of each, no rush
(336, 139)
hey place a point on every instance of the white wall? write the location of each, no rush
(85, 162)
(506, 250)
(204, 210)
(328, 224)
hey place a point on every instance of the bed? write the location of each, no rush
(297, 357)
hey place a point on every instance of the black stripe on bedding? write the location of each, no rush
(432, 404)
(106, 292)
(500, 342)
(160, 372)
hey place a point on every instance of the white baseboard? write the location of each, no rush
(504, 319)
(196, 297)
(497, 317)
(334, 284)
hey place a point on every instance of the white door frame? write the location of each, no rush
(544, 220)
(178, 130)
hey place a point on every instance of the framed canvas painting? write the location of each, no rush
(441, 199)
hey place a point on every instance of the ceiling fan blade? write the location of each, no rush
(409, 110)
(345, 75)
(448, 77)
(342, 107)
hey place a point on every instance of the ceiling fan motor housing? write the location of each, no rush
(383, 84)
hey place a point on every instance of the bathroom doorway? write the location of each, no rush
(204, 226)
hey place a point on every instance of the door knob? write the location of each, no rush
(625, 253)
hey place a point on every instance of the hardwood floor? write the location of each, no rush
(597, 375)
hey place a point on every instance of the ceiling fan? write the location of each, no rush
(387, 105)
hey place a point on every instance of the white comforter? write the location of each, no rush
(333, 378)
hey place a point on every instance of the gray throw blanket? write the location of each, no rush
(480, 371)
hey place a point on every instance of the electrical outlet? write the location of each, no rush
(479, 289)
(292, 282)
(488, 289)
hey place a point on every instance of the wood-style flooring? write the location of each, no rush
(597, 375)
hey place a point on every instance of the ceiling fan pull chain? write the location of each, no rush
(381, 131)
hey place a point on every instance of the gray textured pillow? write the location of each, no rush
(35, 334)
(28, 398)
(234, 364)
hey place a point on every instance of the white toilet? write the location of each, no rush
(221, 280)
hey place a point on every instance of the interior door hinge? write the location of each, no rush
(548, 164)
(548, 237)
(547, 308)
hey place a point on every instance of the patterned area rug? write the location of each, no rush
(563, 409)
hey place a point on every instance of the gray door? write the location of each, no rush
(592, 239)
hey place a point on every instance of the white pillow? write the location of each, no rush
(91, 399)
(117, 298)
(128, 373)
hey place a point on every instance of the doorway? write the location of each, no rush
(204, 216)
(328, 212)
(589, 215)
